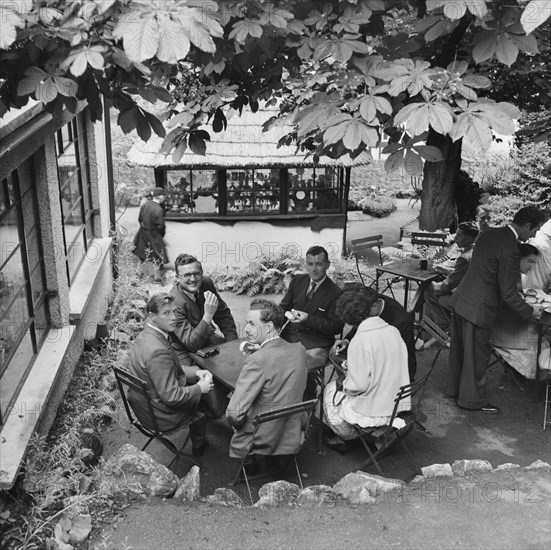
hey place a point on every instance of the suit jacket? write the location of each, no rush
(396, 315)
(192, 333)
(492, 280)
(153, 360)
(451, 282)
(272, 377)
(322, 324)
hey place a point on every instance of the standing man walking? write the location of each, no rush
(492, 280)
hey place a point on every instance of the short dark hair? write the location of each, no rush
(185, 259)
(316, 251)
(526, 249)
(269, 311)
(469, 229)
(156, 301)
(353, 306)
(532, 215)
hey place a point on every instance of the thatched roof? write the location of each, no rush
(243, 143)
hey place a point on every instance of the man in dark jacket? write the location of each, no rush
(199, 310)
(175, 391)
(491, 282)
(310, 303)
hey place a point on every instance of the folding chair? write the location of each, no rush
(305, 407)
(374, 241)
(125, 379)
(384, 437)
(429, 239)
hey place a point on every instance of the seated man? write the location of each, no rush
(375, 370)
(198, 306)
(437, 296)
(310, 301)
(272, 377)
(175, 393)
(393, 313)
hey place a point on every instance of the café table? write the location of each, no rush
(409, 270)
(226, 366)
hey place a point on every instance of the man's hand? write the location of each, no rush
(205, 381)
(300, 316)
(211, 305)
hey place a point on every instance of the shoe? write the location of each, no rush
(490, 409)
(198, 452)
(336, 444)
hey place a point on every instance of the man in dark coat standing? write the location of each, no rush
(492, 281)
(175, 390)
(272, 377)
(149, 244)
(310, 301)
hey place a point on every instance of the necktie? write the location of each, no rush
(310, 293)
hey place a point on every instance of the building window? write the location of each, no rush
(314, 189)
(75, 192)
(24, 315)
(253, 191)
(192, 192)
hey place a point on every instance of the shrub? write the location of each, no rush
(378, 206)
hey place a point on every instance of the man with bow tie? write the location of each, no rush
(310, 303)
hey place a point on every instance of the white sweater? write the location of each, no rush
(377, 368)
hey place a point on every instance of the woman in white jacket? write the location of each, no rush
(377, 366)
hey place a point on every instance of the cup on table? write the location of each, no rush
(424, 264)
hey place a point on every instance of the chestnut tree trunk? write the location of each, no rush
(438, 209)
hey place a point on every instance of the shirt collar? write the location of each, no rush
(269, 340)
(165, 334)
(318, 283)
(514, 231)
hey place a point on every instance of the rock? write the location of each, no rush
(360, 488)
(462, 467)
(189, 486)
(538, 464)
(225, 497)
(72, 529)
(91, 447)
(507, 466)
(437, 470)
(418, 479)
(316, 494)
(278, 493)
(131, 473)
(107, 382)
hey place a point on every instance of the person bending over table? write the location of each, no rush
(393, 313)
(514, 339)
(437, 296)
(491, 281)
(309, 304)
(272, 377)
(375, 369)
(539, 277)
(176, 391)
(198, 308)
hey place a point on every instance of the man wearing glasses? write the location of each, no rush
(199, 310)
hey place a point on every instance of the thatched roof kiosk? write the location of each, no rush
(244, 177)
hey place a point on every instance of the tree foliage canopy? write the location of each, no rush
(348, 74)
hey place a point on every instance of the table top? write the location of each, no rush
(410, 269)
(226, 365)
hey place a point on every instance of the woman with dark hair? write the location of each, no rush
(375, 369)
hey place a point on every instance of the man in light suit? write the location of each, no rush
(272, 377)
(311, 300)
(198, 308)
(491, 281)
(175, 390)
(437, 296)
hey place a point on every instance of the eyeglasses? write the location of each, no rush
(195, 275)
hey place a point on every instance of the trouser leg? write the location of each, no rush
(198, 431)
